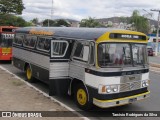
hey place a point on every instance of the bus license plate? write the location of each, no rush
(6, 50)
(132, 100)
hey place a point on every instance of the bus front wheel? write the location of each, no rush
(81, 97)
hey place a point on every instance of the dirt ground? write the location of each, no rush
(15, 95)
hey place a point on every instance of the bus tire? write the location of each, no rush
(81, 97)
(29, 76)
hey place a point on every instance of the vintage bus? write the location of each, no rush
(98, 66)
(6, 38)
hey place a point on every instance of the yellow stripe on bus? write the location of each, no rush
(105, 37)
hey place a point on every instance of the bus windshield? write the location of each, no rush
(121, 54)
(5, 42)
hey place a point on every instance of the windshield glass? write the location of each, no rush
(6, 40)
(139, 54)
(119, 55)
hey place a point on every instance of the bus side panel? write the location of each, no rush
(32, 56)
(18, 63)
(59, 69)
(59, 86)
(40, 73)
(38, 62)
(59, 81)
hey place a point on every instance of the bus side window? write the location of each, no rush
(30, 41)
(81, 52)
(18, 39)
(59, 48)
(33, 41)
(40, 44)
(47, 44)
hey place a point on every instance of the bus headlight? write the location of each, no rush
(103, 89)
(145, 83)
(108, 89)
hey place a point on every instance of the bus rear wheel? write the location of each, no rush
(29, 75)
(81, 97)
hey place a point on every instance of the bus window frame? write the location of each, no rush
(94, 53)
(62, 41)
(26, 39)
(15, 38)
(84, 43)
(45, 39)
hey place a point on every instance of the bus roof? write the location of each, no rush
(70, 32)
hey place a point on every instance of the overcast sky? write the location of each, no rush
(79, 9)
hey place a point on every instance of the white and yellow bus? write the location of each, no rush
(100, 66)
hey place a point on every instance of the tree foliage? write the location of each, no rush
(89, 22)
(48, 22)
(56, 23)
(61, 22)
(11, 6)
(139, 22)
(12, 20)
(35, 21)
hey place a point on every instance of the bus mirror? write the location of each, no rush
(85, 53)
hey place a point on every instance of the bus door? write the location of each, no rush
(79, 60)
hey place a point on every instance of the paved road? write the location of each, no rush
(151, 104)
(154, 59)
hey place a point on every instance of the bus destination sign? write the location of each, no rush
(8, 36)
(127, 36)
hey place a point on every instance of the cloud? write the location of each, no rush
(79, 9)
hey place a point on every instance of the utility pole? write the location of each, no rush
(52, 11)
(51, 14)
(156, 10)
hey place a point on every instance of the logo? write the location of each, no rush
(132, 77)
(131, 86)
(6, 114)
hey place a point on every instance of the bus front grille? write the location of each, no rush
(130, 86)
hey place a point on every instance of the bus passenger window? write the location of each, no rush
(59, 48)
(18, 39)
(44, 44)
(30, 41)
(79, 50)
(47, 44)
(41, 43)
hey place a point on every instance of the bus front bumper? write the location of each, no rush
(120, 101)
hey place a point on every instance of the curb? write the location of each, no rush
(154, 65)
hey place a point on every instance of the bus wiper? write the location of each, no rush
(143, 63)
(122, 67)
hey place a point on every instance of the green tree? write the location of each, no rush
(90, 22)
(35, 21)
(11, 6)
(140, 23)
(61, 22)
(48, 22)
(12, 20)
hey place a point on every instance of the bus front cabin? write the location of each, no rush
(104, 67)
(6, 39)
